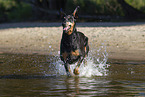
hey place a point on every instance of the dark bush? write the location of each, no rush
(12, 10)
(96, 7)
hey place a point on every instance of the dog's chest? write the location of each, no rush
(71, 43)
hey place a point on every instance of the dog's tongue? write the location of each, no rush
(65, 28)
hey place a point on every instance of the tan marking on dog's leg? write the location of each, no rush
(85, 48)
(85, 62)
(70, 72)
(76, 70)
(75, 53)
(85, 51)
(64, 55)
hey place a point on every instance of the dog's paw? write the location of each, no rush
(69, 74)
(76, 71)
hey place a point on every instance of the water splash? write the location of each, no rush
(95, 64)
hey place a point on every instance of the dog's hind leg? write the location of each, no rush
(86, 54)
(85, 62)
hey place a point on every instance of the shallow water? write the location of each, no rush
(44, 75)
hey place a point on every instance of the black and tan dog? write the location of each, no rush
(74, 45)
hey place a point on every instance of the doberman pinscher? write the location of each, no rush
(74, 45)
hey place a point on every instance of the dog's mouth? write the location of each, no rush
(67, 27)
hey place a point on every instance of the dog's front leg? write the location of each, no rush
(67, 68)
(76, 70)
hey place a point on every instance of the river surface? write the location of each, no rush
(44, 76)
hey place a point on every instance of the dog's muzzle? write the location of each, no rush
(66, 26)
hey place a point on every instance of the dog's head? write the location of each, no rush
(68, 22)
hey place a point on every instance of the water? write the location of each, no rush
(44, 76)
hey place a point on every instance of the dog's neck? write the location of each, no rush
(68, 40)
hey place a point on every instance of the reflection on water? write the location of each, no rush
(44, 75)
(70, 87)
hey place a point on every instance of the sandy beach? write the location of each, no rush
(123, 41)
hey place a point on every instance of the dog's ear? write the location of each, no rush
(75, 13)
(62, 14)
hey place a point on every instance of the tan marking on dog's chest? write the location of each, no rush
(74, 53)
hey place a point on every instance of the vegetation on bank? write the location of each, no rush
(138, 4)
(16, 10)
(12, 10)
(104, 7)
(96, 7)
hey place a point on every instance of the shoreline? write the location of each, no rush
(123, 41)
(58, 24)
